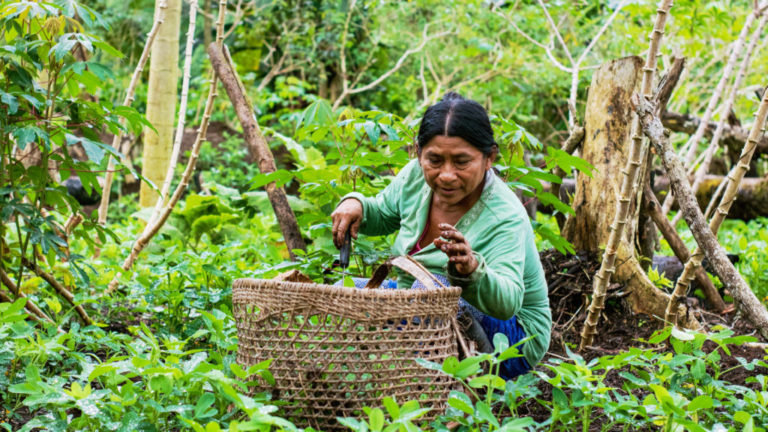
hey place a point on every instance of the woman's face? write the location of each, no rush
(453, 168)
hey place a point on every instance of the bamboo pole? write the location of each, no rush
(143, 240)
(258, 147)
(634, 161)
(693, 141)
(706, 235)
(129, 97)
(714, 144)
(729, 194)
(182, 115)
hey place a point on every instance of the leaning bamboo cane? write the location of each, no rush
(129, 96)
(634, 160)
(147, 235)
(182, 116)
(693, 142)
(706, 235)
(715, 142)
(729, 195)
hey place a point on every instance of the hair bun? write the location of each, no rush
(452, 96)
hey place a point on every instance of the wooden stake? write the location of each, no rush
(259, 148)
(634, 161)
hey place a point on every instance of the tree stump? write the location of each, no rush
(608, 121)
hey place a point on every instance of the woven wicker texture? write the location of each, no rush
(337, 349)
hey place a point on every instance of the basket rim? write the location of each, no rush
(251, 284)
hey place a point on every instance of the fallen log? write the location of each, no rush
(734, 136)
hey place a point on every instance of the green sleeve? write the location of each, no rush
(497, 286)
(382, 213)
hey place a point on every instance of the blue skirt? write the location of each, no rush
(510, 328)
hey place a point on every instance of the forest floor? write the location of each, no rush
(570, 283)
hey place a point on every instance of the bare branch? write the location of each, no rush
(557, 32)
(425, 39)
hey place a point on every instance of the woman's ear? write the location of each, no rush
(492, 156)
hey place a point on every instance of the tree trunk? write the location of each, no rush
(606, 146)
(161, 101)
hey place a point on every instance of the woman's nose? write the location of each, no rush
(447, 173)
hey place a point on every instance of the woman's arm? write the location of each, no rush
(380, 214)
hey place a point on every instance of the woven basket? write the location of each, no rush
(337, 349)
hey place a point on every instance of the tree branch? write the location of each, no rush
(258, 148)
(64, 292)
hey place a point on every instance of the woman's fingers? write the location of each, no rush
(347, 215)
(457, 248)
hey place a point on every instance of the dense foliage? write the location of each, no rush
(160, 353)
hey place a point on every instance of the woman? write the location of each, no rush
(459, 220)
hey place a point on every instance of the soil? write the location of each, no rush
(570, 284)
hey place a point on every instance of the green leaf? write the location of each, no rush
(500, 343)
(26, 135)
(701, 402)
(373, 131)
(10, 100)
(559, 397)
(517, 425)
(318, 113)
(203, 407)
(484, 412)
(461, 402)
(468, 366)
(451, 365)
(391, 406)
(376, 419)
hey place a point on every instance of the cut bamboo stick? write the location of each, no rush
(634, 161)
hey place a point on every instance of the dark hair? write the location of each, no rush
(455, 116)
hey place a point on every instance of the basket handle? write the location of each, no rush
(408, 265)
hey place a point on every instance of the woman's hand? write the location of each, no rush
(348, 214)
(457, 248)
